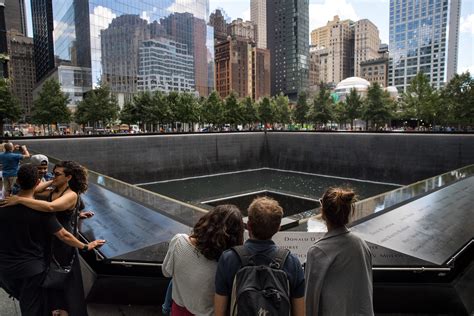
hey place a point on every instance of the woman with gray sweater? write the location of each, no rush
(192, 260)
(339, 265)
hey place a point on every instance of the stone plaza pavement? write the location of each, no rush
(10, 307)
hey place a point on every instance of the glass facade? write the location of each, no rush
(141, 45)
(287, 40)
(132, 45)
(418, 41)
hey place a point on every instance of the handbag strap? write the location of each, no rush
(75, 219)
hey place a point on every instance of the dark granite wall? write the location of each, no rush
(153, 158)
(398, 158)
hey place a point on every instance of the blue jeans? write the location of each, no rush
(166, 307)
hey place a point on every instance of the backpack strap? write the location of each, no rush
(279, 258)
(244, 255)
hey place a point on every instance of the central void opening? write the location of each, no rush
(291, 204)
(297, 192)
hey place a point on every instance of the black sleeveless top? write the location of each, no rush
(61, 251)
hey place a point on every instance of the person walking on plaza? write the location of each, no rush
(192, 260)
(264, 219)
(339, 265)
(26, 236)
(10, 162)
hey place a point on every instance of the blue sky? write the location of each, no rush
(320, 11)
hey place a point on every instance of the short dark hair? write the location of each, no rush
(219, 230)
(27, 176)
(265, 216)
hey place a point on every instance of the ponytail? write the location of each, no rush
(337, 206)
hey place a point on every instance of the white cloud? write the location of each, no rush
(183, 6)
(467, 24)
(99, 20)
(319, 14)
(246, 15)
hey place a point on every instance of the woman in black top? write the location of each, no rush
(70, 180)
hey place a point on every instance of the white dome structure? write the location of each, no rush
(392, 91)
(344, 87)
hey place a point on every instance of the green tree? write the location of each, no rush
(51, 105)
(302, 108)
(282, 107)
(212, 110)
(249, 111)
(143, 103)
(98, 107)
(378, 107)
(322, 110)
(9, 106)
(354, 104)
(458, 95)
(233, 113)
(340, 113)
(160, 110)
(188, 109)
(128, 114)
(417, 101)
(266, 112)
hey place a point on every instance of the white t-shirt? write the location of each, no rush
(193, 276)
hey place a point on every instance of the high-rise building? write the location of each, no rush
(22, 69)
(419, 41)
(287, 40)
(244, 30)
(318, 66)
(338, 38)
(366, 43)
(258, 15)
(242, 68)
(218, 21)
(165, 65)
(85, 42)
(346, 44)
(15, 16)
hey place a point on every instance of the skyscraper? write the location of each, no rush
(258, 15)
(15, 16)
(287, 40)
(84, 42)
(419, 41)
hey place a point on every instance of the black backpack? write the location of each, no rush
(261, 290)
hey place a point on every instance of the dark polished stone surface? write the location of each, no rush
(432, 228)
(397, 158)
(290, 204)
(133, 231)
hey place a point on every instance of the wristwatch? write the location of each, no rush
(85, 247)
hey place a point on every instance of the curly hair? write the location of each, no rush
(219, 230)
(78, 173)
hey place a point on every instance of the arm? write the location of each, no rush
(297, 306)
(26, 153)
(72, 241)
(220, 305)
(63, 203)
(40, 188)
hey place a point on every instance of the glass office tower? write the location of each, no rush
(419, 41)
(288, 41)
(125, 44)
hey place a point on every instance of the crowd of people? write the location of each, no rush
(213, 271)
